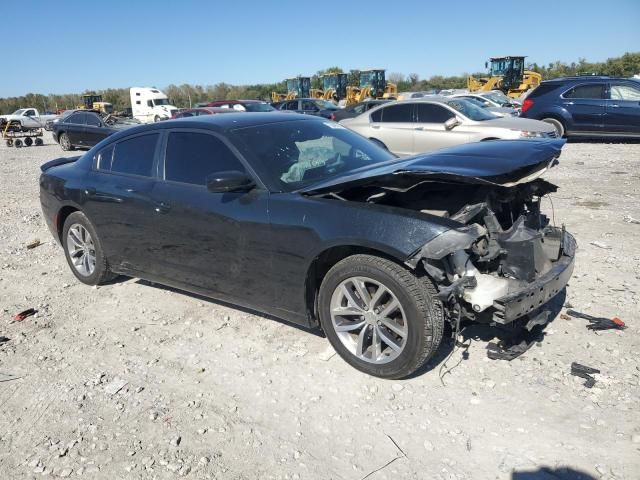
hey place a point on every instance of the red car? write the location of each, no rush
(196, 112)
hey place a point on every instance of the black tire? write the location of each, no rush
(28, 141)
(101, 273)
(424, 314)
(17, 143)
(39, 142)
(557, 124)
(9, 142)
(64, 142)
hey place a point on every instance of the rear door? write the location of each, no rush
(586, 104)
(118, 201)
(430, 132)
(394, 126)
(623, 108)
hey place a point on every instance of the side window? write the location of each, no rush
(377, 116)
(359, 108)
(191, 157)
(135, 155)
(149, 103)
(398, 113)
(104, 157)
(430, 113)
(76, 119)
(292, 105)
(592, 90)
(308, 105)
(93, 120)
(30, 113)
(625, 92)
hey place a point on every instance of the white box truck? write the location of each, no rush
(150, 104)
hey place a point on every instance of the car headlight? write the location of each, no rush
(526, 134)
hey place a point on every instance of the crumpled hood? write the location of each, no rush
(501, 162)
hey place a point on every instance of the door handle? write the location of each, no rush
(615, 105)
(162, 207)
(375, 126)
(90, 191)
(418, 128)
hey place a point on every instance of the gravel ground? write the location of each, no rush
(131, 380)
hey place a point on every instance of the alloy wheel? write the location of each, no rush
(81, 250)
(369, 320)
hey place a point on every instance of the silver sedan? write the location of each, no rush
(422, 125)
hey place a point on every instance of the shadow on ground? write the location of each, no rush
(547, 473)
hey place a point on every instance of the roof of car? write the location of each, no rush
(580, 78)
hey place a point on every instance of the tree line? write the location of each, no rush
(186, 95)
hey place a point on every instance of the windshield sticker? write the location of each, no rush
(334, 125)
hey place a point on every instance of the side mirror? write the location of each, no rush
(451, 123)
(229, 181)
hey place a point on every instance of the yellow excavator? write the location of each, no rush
(94, 102)
(372, 85)
(334, 87)
(506, 74)
(297, 87)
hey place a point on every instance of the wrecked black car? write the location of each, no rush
(305, 220)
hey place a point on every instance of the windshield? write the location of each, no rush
(19, 112)
(330, 82)
(470, 110)
(160, 101)
(258, 107)
(294, 154)
(498, 97)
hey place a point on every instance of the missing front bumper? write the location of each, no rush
(522, 302)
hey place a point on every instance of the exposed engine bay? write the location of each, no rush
(502, 260)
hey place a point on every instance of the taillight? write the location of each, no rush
(526, 105)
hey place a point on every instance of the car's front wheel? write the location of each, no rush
(83, 250)
(380, 317)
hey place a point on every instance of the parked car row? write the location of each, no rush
(84, 129)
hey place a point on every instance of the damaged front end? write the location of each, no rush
(505, 260)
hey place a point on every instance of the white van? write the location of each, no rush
(150, 104)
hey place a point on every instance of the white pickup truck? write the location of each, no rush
(26, 118)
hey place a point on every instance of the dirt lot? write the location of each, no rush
(131, 380)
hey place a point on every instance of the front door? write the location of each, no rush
(430, 133)
(586, 104)
(219, 242)
(623, 108)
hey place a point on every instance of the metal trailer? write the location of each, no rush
(16, 136)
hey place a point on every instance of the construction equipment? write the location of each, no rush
(94, 102)
(506, 74)
(334, 86)
(372, 85)
(297, 87)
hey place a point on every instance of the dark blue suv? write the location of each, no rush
(587, 106)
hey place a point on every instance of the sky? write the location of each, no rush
(72, 46)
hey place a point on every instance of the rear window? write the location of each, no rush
(135, 155)
(543, 89)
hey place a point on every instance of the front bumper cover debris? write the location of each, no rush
(522, 302)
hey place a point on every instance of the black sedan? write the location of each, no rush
(303, 219)
(307, 106)
(355, 109)
(84, 129)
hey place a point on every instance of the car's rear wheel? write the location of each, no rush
(557, 124)
(65, 143)
(83, 250)
(380, 317)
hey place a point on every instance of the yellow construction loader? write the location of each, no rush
(94, 102)
(297, 87)
(506, 74)
(372, 85)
